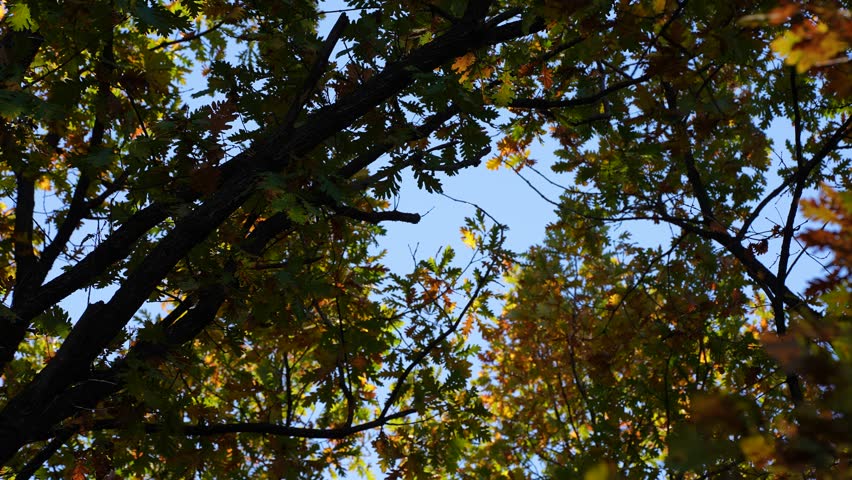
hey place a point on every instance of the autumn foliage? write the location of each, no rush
(192, 258)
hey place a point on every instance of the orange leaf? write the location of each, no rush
(546, 78)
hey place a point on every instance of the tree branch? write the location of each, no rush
(80, 207)
(29, 469)
(801, 173)
(22, 417)
(379, 216)
(25, 260)
(263, 428)
(695, 181)
(542, 103)
(18, 49)
(427, 350)
(431, 124)
(316, 71)
(188, 38)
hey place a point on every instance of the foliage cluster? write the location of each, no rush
(243, 324)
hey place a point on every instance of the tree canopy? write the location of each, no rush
(193, 282)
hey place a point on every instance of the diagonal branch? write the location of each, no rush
(316, 72)
(263, 428)
(431, 124)
(188, 38)
(543, 103)
(802, 172)
(692, 174)
(21, 418)
(80, 207)
(18, 50)
(427, 350)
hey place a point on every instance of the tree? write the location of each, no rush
(250, 219)
(253, 218)
(616, 359)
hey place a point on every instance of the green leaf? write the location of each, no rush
(54, 322)
(20, 18)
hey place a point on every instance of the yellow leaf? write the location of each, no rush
(43, 184)
(659, 6)
(494, 163)
(601, 471)
(784, 44)
(757, 449)
(2, 10)
(468, 237)
(613, 300)
(462, 65)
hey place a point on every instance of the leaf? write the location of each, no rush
(20, 18)
(601, 471)
(158, 18)
(546, 78)
(468, 237)
(54, 322)
(757, 449)
(14, 103)
(462, 65)
(494, 163)
(506, 92)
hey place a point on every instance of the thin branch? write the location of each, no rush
(427, 350)
(803, 172)
(377, 217)
(543, 103)
(262, 428)
(188, 38)
(78, 209)
(692, 173)
(316, 71)
(431, 124)
(797, 117)
(29, 469)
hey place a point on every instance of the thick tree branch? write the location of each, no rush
(114, 248)
(25, 259)
(22, 417)
(29, 469)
